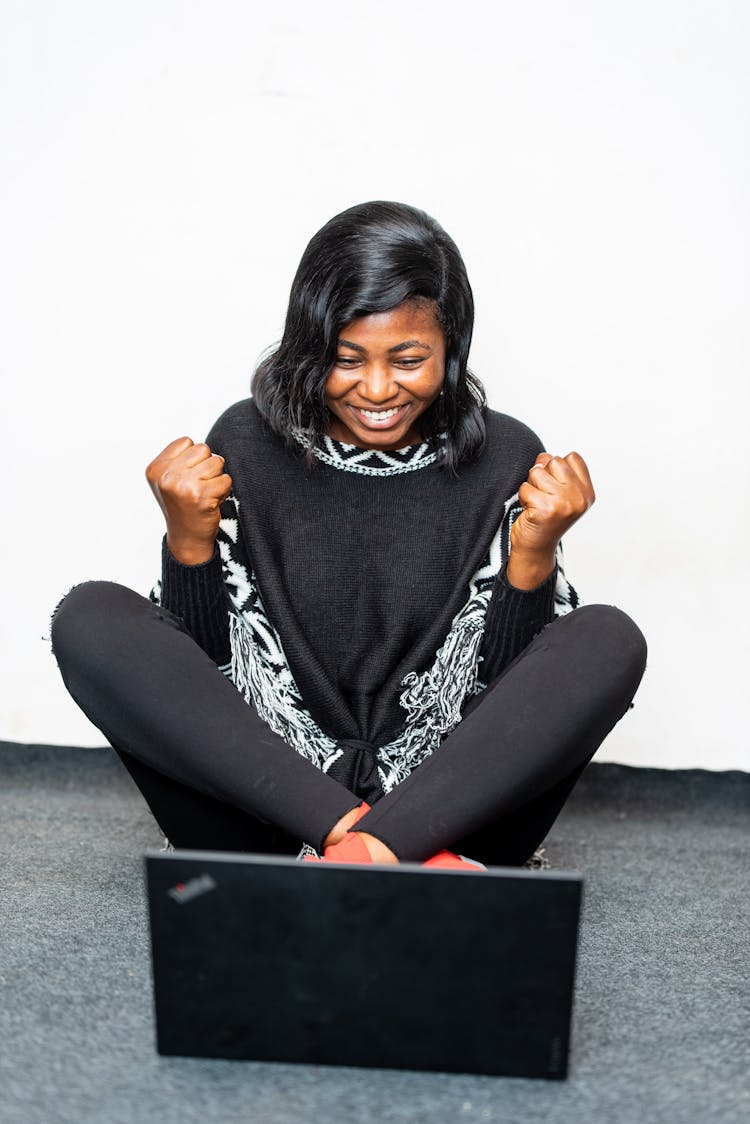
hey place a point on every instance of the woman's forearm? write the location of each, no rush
(514, 617)
(196, 593)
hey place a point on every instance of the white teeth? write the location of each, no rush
(376, 415)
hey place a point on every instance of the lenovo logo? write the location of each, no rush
(186, 891)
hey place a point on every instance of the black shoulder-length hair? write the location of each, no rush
(371, 258)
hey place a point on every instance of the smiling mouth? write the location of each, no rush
(379, 419)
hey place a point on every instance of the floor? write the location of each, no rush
(662, 1009)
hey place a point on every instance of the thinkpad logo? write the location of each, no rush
(186, 891)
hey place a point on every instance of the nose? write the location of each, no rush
(378, 383)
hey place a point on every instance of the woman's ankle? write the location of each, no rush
(339, 830)
(378, 851)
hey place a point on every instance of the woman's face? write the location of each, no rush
(386, 362)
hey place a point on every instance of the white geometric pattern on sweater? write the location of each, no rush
(371, 462)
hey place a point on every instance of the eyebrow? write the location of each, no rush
(396, 347)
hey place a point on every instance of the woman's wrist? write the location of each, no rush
(190, 552)
(527, 570)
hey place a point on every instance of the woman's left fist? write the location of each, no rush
(558, 492)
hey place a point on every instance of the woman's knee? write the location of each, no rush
(613, 637)
(88, 610)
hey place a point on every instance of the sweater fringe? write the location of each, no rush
(276, 698)
(433, 700)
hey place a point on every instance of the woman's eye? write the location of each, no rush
(349, 361)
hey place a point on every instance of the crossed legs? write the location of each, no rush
(217, 777)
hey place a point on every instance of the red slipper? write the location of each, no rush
(350, 849)
(365, 807)
(449, 861)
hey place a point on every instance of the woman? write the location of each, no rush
(372, 559)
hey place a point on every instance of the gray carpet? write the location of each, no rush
(661, 1020)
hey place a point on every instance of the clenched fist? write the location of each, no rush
(190, 484)
(558, 491)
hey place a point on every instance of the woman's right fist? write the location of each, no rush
(190, 484)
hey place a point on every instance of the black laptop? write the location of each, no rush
(269, 958)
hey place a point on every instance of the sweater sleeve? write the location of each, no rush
(514, 617)
(198, 595)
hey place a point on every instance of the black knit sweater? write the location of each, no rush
(331, 591)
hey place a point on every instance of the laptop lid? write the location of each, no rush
(264, 957)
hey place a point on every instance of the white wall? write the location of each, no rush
(165, 163)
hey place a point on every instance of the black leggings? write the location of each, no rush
(216, 777)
